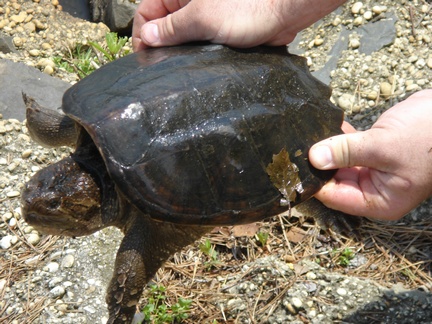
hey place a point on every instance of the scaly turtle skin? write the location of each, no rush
(171, 142)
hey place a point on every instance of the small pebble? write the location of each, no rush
(89, 309)
(413, 58)
(318, 41)
(34, 52)
(354, 43)
(368, 15)
(6, 216)
(412, 87)
(311, 275)
(13, 194)
(372, 95)
(33, 238)
(358, 21)
(12, 166)
(19, 18)
(68, 261)
(337, 21)
(32, 261)
(296, 302)
(61, 307)
(13, 222)
(355, 9)
(346, 101)
(18, 41)
(25, 154)
(6, 242)
(378, 9)
(52, 267)
(290, 308)
(48, 70)
(386, 89)
(2, 285)
(341, 292)
(57, 291)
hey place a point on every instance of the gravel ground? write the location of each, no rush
(49, 280)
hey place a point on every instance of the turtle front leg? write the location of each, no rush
(146, 246)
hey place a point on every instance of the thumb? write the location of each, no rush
(342, 151)
(174, 29)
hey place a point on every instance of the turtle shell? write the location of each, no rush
(187, 132)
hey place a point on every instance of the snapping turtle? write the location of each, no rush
(171, 142)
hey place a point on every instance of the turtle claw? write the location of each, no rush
(329, 218)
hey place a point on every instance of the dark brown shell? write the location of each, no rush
(187, 132)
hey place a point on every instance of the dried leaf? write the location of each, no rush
(284, 175)
(296, 235)
(245, 230)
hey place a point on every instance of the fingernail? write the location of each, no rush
(150, 33)
(321, 157)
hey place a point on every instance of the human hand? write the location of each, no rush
(386, 171)
(238, 23)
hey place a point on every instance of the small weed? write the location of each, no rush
(345, 256)
(156, 311)
(262, 237)
(114, 47)
(84, 59)
(81, 60)
(209, 250)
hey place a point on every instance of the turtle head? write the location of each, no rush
(63, 199)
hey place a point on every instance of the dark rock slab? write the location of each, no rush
(77, 8)
(116, 14)
(373, 37)
(16, 78)
(377, 35)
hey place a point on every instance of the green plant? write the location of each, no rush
(345, 256)
(84, 59)
(156, 311)
(208, 249)
(80, 60)
(114, 47)
(262, 237)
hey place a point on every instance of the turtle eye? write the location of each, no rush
(54, 203)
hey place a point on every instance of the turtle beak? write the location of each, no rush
(42, 213)
(62, 200)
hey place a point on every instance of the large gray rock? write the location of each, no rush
(16, 78)
(116, 14)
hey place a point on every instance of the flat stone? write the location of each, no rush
(6, 44)
(16, 78)
(376, 35)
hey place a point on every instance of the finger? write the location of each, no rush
(137, 43)
(348, 150)
(348, 128)
(149, 10)
(354, 193)
(179, 27)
